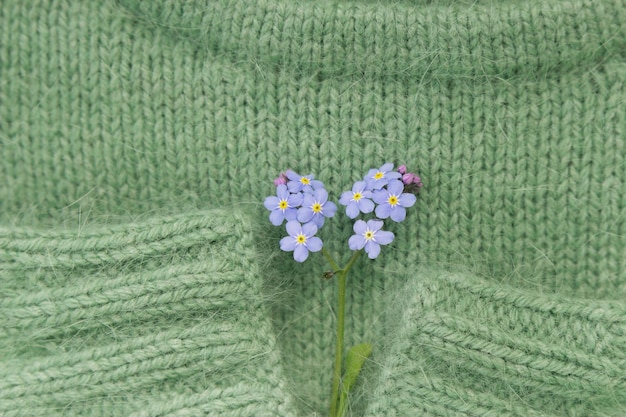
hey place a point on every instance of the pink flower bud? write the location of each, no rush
(282, 179)
(402, 169)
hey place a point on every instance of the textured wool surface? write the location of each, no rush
(139, 272)
(149, 318)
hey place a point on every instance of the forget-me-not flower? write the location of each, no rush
(301, 240)
(315, 207)
(283, 205)
(378, 178)
(304, 183)
(392, 201)
(369, 236)
(357, 200)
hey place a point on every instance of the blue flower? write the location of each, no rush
(369, 236)
(283, 205)
(357, 200)
(378, 178)
(304, 183)
(301, 240)
(392, 201)
(315, 207)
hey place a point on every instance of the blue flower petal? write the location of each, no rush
(318, 220)
(398, 214)
(383, 237)
(383, 210)
(352, 210)
(277, 217)
(407, 200)
(372, 249)
(271, 202)
(309, 229)
(316, 184)
(395, 187)
(359, 186)
(305, 214)
(380, 196)
(294, 228)
(330, 209)
(386, 167)
(300, 253)
(321, 195)
(346, 198)
(373, 184)
(294, 186)
(295, 200)
(356, 242)
(291, 214)
(308, 200)
(288, 243)
(374, 225)
(293, 176)
(370, 174)
(282, 192)
(365, 205)
(359, 227)
(314, 244)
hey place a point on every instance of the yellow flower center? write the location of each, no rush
(300, 239)
(317, 207)
(392, 200)
(305, 181)
(357, 196)
(369, 235)
(282, 204)
(379, 175)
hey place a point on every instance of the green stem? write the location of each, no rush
(339, 346)
(330, 260)
(352, 260)
(341, 309)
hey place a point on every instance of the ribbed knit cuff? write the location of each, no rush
(159, 317)
(466, 347)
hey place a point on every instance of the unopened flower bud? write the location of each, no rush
(328, 274)
(282, 179)
(407, 178)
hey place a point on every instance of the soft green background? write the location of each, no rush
(512, 113)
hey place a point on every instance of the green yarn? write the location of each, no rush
(461, 345)
(138, 272)
(158, 320)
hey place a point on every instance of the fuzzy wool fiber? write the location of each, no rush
(140, 275)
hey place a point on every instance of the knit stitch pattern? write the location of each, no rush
(533, 354)
(138, 140)
(143, 319)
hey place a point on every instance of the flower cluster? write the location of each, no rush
(384, 192)
(303, 202)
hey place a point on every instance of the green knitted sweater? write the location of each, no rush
(140, 276)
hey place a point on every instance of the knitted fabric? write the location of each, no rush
(140, 274)
(148, 318)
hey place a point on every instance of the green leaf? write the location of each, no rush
(354, 362)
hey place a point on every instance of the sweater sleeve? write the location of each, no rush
(163, 316)
(467, 347)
